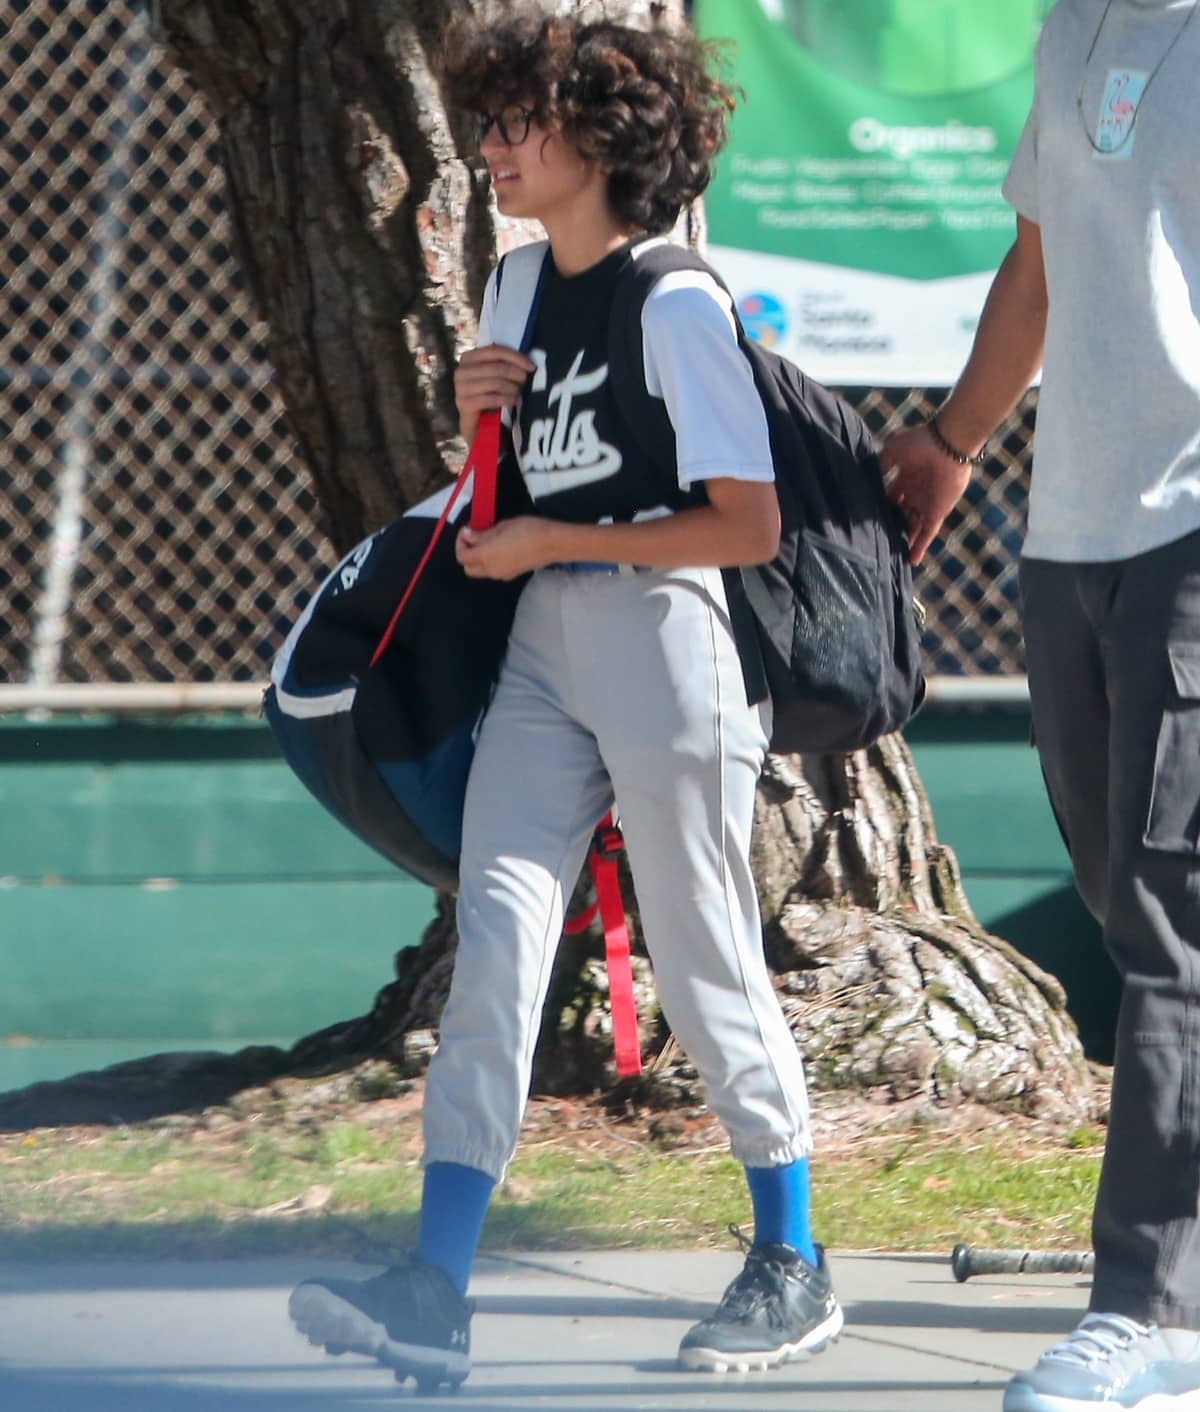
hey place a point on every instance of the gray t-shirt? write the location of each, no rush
(1117, 460)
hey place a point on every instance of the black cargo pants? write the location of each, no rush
(1114, 675)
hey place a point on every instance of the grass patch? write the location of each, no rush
(339, 1187)
(928, 1196)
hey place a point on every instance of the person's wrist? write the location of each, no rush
(951, 442)
(555, 549)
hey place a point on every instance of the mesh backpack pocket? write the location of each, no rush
(834, 647)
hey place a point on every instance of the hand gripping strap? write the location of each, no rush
(481, 459)
(606, 848)
(517, 299)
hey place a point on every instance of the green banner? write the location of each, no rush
(857, 209)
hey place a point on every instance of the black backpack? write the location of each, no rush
(830, 626)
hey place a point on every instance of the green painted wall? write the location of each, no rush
(169, 883)
(166, 882)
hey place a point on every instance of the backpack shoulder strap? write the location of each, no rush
(646, 416)
(519, 278)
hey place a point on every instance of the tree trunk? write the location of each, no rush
(366, 234)
(890, 983)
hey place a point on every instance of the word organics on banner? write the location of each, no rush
(857, 211)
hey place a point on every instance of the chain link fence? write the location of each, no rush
(156, 523)
(968, 582)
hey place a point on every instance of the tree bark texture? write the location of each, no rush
(364, 226)
(888, 980)
(366, 233)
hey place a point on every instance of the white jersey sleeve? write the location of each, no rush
(693, 362)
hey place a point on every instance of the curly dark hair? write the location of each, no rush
(648, 106)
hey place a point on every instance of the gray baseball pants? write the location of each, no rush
(627, 684)
(1114, 675)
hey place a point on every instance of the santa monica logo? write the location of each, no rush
(763, 317)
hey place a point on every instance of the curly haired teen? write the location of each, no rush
(622, 680)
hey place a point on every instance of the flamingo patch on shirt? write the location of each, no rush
(1118, 112)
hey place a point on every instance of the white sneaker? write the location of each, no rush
(1112, 1362)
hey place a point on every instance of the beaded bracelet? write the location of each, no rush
(952, 451)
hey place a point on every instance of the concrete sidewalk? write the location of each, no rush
(558, 1332)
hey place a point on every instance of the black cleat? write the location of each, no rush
(779, 1309)
(411, 1319)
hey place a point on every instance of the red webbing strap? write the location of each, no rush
(482, 458)
(606, 849)
(485, 454)
(582, 920)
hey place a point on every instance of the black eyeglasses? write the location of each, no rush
(511, 123)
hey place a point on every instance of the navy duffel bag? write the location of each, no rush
(378, 692)
(376, 706)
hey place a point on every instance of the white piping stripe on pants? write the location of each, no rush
(633, 679)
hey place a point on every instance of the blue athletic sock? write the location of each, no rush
(780, 1198)
(453, 1205)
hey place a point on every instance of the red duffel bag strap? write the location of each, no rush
(482, 460)
(484, 456)
(516, 304)
(606, 850)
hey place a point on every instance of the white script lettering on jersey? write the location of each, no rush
(564, 450)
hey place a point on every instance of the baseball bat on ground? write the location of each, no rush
(968, 1260)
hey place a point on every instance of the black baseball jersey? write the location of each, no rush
(578, 457)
